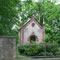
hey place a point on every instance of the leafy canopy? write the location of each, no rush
(12, 10)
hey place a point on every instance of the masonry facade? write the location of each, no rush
(32, 31)
(7, 47)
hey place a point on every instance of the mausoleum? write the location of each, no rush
(32, 31)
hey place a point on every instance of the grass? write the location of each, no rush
(28, 58)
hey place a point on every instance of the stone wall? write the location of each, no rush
(7, 47)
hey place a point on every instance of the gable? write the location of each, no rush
(32, 20)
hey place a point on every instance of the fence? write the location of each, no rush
(41, 50)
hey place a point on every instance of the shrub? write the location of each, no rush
(39, 50)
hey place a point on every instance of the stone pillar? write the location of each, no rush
(19, 37)
(7, 47)
(22, 36)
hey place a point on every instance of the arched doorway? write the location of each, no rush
(33, 38)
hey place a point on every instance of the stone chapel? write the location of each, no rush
(32, 31)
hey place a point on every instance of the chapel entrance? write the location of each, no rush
(33, 38)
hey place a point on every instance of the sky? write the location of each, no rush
(32, 0)
(58, 1)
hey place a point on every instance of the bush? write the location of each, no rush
(38, 50)
(52, 50)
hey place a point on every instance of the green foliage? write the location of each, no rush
(39, 50)
(33, 42)
(50, 12)
(11, 10)
(8, 16)
(52, 50)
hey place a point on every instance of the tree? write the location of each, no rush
(11, 10)
(50, 12)
(8, 16)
